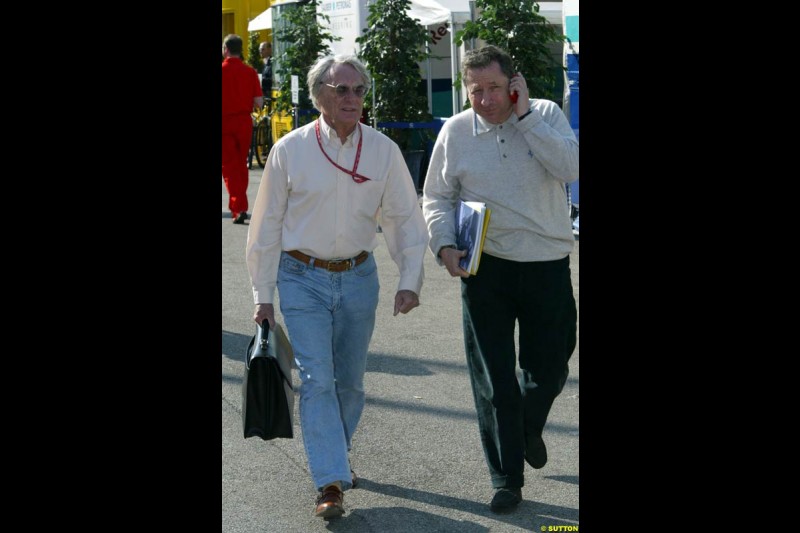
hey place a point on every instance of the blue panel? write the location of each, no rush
(574, 107)
(573, 66)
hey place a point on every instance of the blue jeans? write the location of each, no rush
(330, 317)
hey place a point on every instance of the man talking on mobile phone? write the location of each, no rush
(515, 156)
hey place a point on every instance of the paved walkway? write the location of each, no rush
(417, 449)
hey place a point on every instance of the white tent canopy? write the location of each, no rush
(429, 12)
(264, 20)
(261, 22)
(437, 11)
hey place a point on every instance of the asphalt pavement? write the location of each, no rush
(417, 450)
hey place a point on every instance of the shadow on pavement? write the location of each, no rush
(542, 514)
(234, 345)
(408, 366)
(399, 520)
(566, 479)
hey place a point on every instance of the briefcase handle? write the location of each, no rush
(262, 339)
(261, 348)
(263, 335)
(259, 344)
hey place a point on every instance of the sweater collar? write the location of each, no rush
(481, 125)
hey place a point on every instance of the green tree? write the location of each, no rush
(305, 42)
(392, 46)
(253, 55)
(517, 27)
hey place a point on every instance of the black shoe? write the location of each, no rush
(506, 500)
(240, 218)
(535, 452)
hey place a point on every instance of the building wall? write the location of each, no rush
(347, 18)
(442, 89)
(235, 16)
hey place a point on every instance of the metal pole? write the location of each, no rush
(472, 18)
(430, 81)
(454, 66)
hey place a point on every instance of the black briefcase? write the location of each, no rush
(267, 394)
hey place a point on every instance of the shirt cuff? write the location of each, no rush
(530, 121)
(264, 296)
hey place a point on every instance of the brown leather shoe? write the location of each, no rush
(354, 479)
(330, 504)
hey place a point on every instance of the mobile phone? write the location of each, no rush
(514, 95)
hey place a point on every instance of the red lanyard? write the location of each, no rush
(358, 178)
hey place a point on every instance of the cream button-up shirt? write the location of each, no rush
(305, 203)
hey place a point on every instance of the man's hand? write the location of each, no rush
(405, 301)
(518, 84)
(450, 258)
(265, 311)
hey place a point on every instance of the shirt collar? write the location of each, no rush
(481, 125)
(329, 134)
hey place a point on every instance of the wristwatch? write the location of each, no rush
(439, 253)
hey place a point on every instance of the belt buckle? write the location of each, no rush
(336, 264)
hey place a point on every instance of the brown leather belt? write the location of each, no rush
(331, 266)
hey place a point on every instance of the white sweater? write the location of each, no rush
(519, 169)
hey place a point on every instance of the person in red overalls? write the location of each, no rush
(241, 91)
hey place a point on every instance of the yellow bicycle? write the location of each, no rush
(261, 141)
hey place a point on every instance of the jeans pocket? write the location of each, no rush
(367, 268)
(291, 265)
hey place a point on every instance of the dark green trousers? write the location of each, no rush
(537, 295)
